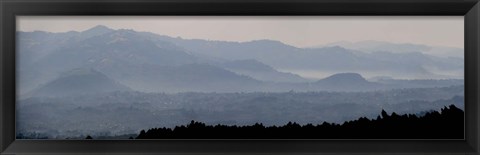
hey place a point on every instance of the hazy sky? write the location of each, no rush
(303, 31)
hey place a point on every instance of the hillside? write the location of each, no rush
(77, 82)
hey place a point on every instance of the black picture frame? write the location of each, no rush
(470, 9)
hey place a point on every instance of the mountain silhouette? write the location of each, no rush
(79, 81)
(94, 31)
(347, 81)
(344, 78)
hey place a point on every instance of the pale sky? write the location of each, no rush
(300, 31)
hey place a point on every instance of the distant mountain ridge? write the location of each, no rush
(376, 46)
(261, 71)
(149, 62)
(326, 58)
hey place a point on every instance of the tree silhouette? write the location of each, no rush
(446, 124)
(89, 137)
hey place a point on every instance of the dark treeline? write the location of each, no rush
(446, 124)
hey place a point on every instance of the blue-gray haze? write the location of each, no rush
(111, 82)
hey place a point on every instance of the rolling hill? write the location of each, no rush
(78, 82)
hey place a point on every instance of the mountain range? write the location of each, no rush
(106, 82)
(375, 46)
(142, 61)
(332, 59)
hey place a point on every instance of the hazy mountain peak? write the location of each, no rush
(99, 28)
(79, 81)
(109, 36)
(268, 43)
(94, 31)
(128, 34)
(347, 82)
(344, 77)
